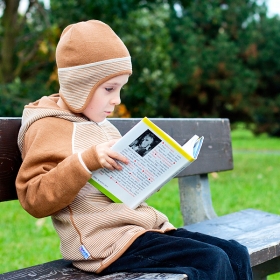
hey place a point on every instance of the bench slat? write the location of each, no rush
(10, 158)
(259, 231)
(64, 270)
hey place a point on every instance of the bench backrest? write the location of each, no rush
(215, 155)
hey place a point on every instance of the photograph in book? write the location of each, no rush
(154, 159)
(145, 143)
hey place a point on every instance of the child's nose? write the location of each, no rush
(116, 100)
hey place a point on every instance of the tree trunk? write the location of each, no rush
(10, 30)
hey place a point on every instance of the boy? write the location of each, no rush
(64, 137)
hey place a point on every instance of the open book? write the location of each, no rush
(154, 159)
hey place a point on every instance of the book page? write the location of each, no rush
(144, 168)
(150, 160)
(197, 146)
(193, 145)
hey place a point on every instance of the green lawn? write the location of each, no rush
(254, 183)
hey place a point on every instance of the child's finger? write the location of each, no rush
(118, 156)
(112, 164)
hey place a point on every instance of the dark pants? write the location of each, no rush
(180, 251)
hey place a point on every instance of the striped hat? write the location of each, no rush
(87, 55)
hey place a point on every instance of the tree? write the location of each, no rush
(202, 58)
(148, 41)
(224, 64)
(9, 32)
(261, 57)
(21, 38)
(25, 49)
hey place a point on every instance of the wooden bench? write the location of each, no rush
(257, 230)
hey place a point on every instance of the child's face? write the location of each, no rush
(105, 98)
(146, 141)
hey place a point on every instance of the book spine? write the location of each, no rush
(163, 135)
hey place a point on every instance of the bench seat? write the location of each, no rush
(63, 270)
(257, 230)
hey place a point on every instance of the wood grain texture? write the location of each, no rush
(259, 231)
(10, 158)
(261, 271)
(63, 270)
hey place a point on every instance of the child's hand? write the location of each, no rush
(108, 157)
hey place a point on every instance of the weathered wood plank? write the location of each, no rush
(63, 270)
(261, 271)
(257, 230)
(10, 158)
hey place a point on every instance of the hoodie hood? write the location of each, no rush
(42, 108)
(88, 54)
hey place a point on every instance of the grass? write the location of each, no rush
(24, 240)
(243, 139)
(253, 183)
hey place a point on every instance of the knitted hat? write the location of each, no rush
(87, 55)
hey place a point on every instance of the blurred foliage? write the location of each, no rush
(150, 44)
(202, 58)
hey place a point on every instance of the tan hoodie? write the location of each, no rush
(58, 150)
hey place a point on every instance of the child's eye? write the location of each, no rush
(109, 89)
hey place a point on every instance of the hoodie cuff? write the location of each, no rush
(90, 159)
(83, 164)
